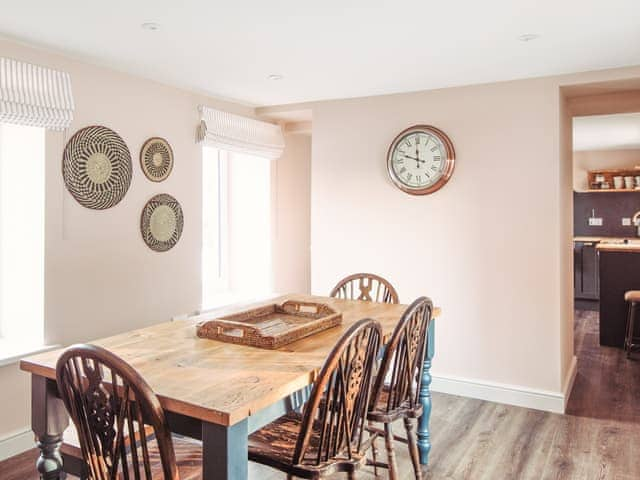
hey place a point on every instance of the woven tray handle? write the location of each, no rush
(303, 307)
(220, 326)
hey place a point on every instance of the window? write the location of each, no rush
(236, 256)
(22, 207)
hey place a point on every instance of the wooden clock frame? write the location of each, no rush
(449, 161)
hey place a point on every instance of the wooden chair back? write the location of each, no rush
(333, 420)
(110, 403)
(404, 358)
(365, 286)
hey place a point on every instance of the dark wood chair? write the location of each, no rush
(121, 427)
(632, 297)
(396, 390)
(365, 286)
(328, 436)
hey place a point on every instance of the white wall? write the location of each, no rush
(100, 276)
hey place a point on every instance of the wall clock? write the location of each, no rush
(420, 160)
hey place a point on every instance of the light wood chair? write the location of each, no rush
(121, 426)
(396, 390)
(328, 436)
(365, 286)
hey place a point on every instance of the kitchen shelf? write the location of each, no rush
(608, 175)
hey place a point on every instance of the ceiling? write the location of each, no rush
(332, 48)
(606, 132)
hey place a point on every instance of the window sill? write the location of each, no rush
(12, 351)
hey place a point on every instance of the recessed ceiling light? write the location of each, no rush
(527, 37)
(275, 76)
(152, 26)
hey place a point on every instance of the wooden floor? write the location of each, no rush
(474, 439)
(608, 384)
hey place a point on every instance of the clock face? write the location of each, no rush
(420, 160)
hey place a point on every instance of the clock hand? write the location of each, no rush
(414, 158)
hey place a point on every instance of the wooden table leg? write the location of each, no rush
(225, 453)
(424, 436)
(49, 419)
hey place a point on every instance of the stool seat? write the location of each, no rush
(632, 296)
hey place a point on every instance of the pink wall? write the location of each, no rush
(292, 215)
(473, 246)
(493, 248)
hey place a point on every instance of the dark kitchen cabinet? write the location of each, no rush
(586, 274)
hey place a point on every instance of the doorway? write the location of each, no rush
(605, 155)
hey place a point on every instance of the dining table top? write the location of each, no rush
(220, 382)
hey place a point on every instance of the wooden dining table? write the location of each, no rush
(216, 392)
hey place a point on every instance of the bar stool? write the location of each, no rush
(632, 297)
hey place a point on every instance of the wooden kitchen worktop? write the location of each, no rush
(612, 244)
(619, 247)
(600, 239)
(589, 239)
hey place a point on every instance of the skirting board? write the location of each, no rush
(16, 443)
(509, 394)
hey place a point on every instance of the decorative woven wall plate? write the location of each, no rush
(156, 159)
(161, 222)
(96, 167)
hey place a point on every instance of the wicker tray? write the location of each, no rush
(271, 326)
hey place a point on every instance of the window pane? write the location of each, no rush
(22, 189)
(236, 255)
(250, 271)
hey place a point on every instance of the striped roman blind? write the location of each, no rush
(235, 133)
(34, 95)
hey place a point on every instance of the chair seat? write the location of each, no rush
(379, 412)
(188, 457)
(274, 444)
(632, 296)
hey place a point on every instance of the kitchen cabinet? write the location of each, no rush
(586, 274)
(619, 273)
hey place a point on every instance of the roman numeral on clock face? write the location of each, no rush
(437, 158)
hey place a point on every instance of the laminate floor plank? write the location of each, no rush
(525, 445)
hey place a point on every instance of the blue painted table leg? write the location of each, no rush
(424, 437)
(225, 454)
